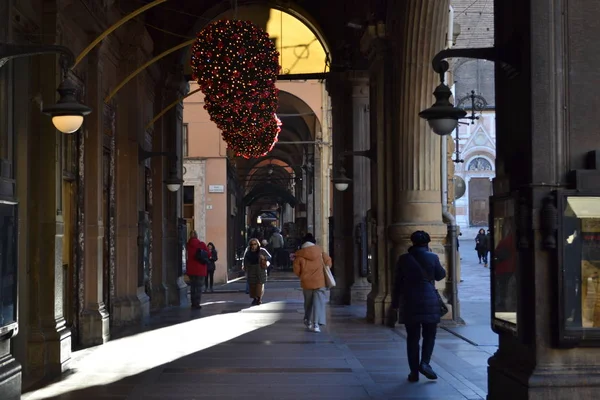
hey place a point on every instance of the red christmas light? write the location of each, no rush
(236, 66)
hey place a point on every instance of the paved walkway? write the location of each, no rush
(229, 350)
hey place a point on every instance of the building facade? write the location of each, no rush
(473, 154)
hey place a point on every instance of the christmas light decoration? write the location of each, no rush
(254, 143)
(236, 66)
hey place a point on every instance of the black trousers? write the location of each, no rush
(196, 289)
(210, 278)
(413, 335)
(482, 254)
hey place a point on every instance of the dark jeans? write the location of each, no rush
(413, 334)
(196, 289)
(210, 278)
(482, 254)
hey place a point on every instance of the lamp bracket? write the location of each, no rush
(494, 54)
(143, 154)
(9, 51)
(371, 154)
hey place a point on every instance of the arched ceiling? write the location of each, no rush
(175, 21)
(285, 161)
(302, 49)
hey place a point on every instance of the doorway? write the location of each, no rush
(480, 190)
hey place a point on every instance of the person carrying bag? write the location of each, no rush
(311, 265)
(416, 300)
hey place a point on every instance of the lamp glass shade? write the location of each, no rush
(443, 126)
(258, 220)
(173, 187)
(341, 186)
(67, 123)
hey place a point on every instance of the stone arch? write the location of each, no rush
(479, 164)
(479, 153)
(223, 9)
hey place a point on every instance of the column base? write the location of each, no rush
(49, 351)
(144, 303)
(550, 383)
(376, 311)
(359, 291)
(130, 310)
(178, 293)
(160, 296)
(10, 373)
(95, 326)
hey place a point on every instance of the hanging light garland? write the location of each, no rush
(253, 144)
(236, 65)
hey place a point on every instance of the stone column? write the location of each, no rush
(417, 30)
(361, 179)
(176, 88)
(131, 304)
(548, 112)
(94, 326)
(339, 89)
(160, 289)
(376, 47)
(49, 340)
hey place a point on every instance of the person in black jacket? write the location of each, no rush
(414, 283)
(481, 246)
(210, 277)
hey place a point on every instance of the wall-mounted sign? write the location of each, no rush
(216, 188)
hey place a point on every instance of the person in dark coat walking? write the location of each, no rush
(210, 277)
(414, 283)
(256, 261)
(481, 246)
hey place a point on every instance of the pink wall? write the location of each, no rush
(310, 92)
(205, 142)
(204, 138)
(216, 218)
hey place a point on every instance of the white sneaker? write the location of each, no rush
(316, 328)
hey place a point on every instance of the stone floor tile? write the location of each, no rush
(229, 350)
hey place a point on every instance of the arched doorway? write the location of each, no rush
(479, 189)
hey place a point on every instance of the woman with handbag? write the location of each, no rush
(256, 262)
(210, 277)
(310, 263)
(422, 306)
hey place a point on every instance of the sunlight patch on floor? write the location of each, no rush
(138, 353)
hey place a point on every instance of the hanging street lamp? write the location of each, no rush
(442, 116)
(67, 114)
(341, 181)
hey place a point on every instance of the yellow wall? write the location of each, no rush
(300, 50)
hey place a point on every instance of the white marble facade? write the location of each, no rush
(477, 147)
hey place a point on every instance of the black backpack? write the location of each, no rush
(202, 256)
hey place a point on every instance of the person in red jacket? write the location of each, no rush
(196, 269)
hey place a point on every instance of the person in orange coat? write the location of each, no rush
(308, 265)
(197, 267)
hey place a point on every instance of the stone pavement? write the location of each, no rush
(230, 350)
